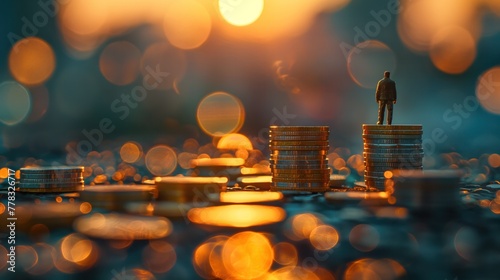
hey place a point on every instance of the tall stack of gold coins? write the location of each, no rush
(388, 147)
(298, 158)
(51, 179)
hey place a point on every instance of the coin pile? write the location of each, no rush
(51, 179)
(298, 158)
(429, 189)
(388, 147)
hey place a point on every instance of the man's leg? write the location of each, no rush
(381, 112)
(389, 112)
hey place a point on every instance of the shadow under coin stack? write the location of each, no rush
(51, 179)
(388, 147)
(298, 158)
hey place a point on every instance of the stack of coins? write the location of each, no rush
(298, 158)
(51, 179)
(430, 189)
(388, 147)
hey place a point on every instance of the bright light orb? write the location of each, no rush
(220, 113)
(241, 12)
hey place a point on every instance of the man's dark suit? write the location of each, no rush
(385, 96)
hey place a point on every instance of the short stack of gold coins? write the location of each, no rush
(298, 158)
(388, 147)
(54, 179)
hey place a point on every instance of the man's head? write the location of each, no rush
(387, 74)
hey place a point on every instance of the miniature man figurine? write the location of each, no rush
(385, 96)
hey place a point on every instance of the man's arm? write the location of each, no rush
(395, 93)
(377, 92)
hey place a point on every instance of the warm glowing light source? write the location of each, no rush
(239, 216)
(207, 259)
(119, 62)
(247, 255)
(452, 49)
(304, 224)
(234, 141)
(130, 152)
(220, 113)
(31, 61)
(249, 197)
(123, 227)
(161, 160)
(494, 160)
(84, 17)
(285, 254)
(241, 12)
(226, 162)
(488, 90)
(374, 269)
(76, 253)
(324, 237)
(187, 24)
(294, 272)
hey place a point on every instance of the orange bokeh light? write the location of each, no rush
(234, 141)
(130, 152)
(187, 24)
(304, 224)
(161, 160)
(452, 49)
(237, 215)
(324, 237)
(220, 113)
(241, 13)
(31, 61)
(488, 90)
(285, 254)
(494, 160)
(247, 255)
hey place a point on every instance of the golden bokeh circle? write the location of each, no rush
(32, 61)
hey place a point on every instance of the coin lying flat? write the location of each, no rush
(123, 227)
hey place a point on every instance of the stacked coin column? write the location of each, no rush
(298, 158)
(51, 179)
(388, 147)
